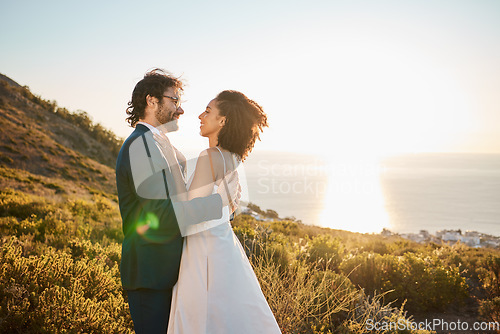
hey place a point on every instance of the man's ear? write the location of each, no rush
(151, 100)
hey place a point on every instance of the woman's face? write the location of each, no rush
(211, 121)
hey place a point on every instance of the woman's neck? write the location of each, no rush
(212, 141)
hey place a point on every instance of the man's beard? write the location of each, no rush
(167, 120)
(163, 117)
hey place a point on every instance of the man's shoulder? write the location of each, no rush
(124, 150)
(138, 132)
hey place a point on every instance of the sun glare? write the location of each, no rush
(383, 105)
(354, 200)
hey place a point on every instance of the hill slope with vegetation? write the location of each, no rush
(42, 138)
(61, 233)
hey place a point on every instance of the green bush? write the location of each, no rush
(55, 293)
(20, 205)
(424, 282)
(326, 252)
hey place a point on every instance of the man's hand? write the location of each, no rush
(230, 190)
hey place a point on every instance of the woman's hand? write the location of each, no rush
(164, 143)
(230, 190)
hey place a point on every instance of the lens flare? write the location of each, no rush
(151, 221)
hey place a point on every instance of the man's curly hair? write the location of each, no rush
(154, 83)
(245, 120)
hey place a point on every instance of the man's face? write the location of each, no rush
(167, 111)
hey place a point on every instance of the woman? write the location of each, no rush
(217, 290)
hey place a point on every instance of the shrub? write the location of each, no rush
(489, 275)
(303, 299)
(490, 309)
(54, 293)
(20, 205)
(425, 282)
(286, 227)
(326, 252)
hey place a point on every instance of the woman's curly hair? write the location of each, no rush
(245, 120)
(154, 83)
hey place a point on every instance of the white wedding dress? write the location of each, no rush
(217, 291)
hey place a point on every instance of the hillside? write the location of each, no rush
(52, 144)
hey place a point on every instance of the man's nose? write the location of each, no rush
(180, 110)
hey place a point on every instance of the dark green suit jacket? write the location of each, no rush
(152, 259)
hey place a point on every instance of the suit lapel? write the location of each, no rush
(157, 158)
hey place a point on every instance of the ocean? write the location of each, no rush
(405, 193)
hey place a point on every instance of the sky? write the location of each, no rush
(334, 77)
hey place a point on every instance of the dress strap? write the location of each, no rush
(223, 159)
(223, 178)
(211, 165)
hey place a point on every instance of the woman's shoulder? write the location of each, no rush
(221, 159)
(213, 155)
(211, 152)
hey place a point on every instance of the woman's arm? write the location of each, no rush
(175, 179)
(205, 174)
(182, 162)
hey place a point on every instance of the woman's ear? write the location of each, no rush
(222, 121)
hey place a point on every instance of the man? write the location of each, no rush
(152, 221)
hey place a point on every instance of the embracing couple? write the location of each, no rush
(182, 267)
